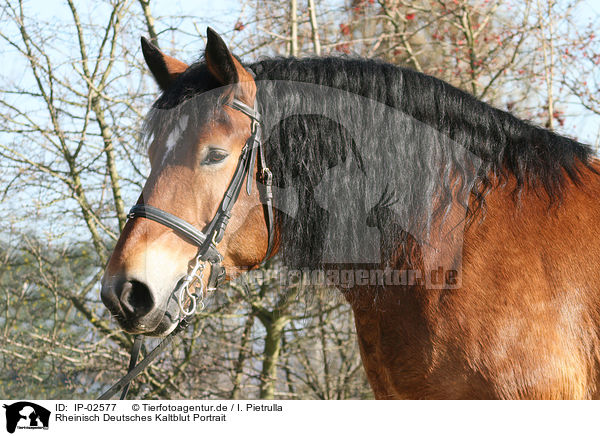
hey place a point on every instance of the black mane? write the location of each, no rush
(508, 145)
(415, 134)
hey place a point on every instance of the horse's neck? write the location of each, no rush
(396, 323)
(394, 336)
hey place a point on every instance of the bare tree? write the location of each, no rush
(72, 161)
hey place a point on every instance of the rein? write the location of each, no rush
(206, 241)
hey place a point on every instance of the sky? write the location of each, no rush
(220, 15)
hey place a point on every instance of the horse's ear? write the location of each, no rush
(226, 68)
(165, 69)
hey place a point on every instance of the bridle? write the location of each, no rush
(208, 240)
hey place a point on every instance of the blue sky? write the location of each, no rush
(221, 15)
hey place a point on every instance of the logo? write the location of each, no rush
(26, 415)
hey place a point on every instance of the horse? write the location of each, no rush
(464, 238)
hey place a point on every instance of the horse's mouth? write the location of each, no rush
(158, 323)
(166, 325)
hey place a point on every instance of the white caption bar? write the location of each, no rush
(368, 418)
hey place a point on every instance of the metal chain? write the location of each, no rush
(194, 279)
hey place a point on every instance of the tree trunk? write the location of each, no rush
(268, 375)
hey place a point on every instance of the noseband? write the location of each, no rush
(208, 240)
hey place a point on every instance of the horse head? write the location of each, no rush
(199, 139)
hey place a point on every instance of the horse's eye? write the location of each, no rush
(214, 156)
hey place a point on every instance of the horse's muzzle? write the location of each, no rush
(137, 308)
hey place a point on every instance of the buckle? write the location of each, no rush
(214, 241)
(267, 176)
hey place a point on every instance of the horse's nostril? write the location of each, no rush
(136, 299)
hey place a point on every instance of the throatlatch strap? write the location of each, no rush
(267, 199)
(255, 145)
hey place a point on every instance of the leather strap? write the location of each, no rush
(182, 227)
(134, 372)
(266, 178)
(244, 108)
(135, 352)
(216, 228)
(217, 275)
(264, 174)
